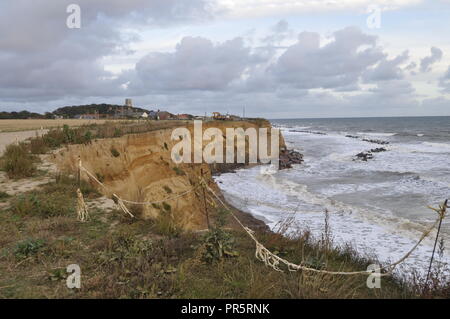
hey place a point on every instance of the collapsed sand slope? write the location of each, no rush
(139, 167)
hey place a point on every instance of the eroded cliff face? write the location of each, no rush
(139, 167)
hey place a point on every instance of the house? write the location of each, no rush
(218, 116)
(163, 115)
(152, 115)
(185, 117)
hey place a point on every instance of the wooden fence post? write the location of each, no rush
(204, 200)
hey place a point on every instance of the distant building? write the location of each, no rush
(152, 115)
(185, 116)
(163, 115)
(218, 116)
(128, 103)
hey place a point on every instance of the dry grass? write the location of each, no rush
(17, 162)
(25, 125)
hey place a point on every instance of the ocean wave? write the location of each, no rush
(438, 145)
(274, 198)
(376, 134)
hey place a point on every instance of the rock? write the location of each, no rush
(363, 156)
(310, 132)
(289, 157)
(378, 150)
(376, 141)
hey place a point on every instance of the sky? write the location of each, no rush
(275, 58)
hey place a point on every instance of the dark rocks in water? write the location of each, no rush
(380, 142)
(310, 132)
(364, 156)
(375, 141)
(289, 157)
(378, 150)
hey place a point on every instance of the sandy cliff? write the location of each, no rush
(138, 167)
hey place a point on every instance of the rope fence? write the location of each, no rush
(273, 261)
(261, 252)
(118, 200)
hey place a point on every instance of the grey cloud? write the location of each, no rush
(278, 33)
(40, 56)
(337, 64)
(425, 63)
(387, 69)
(196, 64)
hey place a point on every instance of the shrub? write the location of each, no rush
(117, 132)
(179, 171)
(4, 195)
(44, 205)
(69, 134)
(38, 146)
(54, 138)
(65, 184)
(114, 152)
(167, 189)
(17, 162)
(28, 248)
(167, 207)
(218, 243)
(165, 224)
(88, 137)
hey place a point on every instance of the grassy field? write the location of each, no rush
(25, 125)
(125, 258)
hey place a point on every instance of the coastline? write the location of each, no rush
(142, 169)
(387, 238)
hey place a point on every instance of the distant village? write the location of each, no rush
(127, 111)
(112, 111)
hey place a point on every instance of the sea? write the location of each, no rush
(378, 206)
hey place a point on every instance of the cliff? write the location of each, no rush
(138, 167)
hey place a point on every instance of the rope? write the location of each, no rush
(161, 201)
(261, 253)
(122, 205)
(121, 202)
(273, 261)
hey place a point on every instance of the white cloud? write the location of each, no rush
(257, 8)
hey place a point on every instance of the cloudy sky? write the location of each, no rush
(278, 58)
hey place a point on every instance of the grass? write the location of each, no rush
(17, 162)
(4, 196)
(125, 258)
